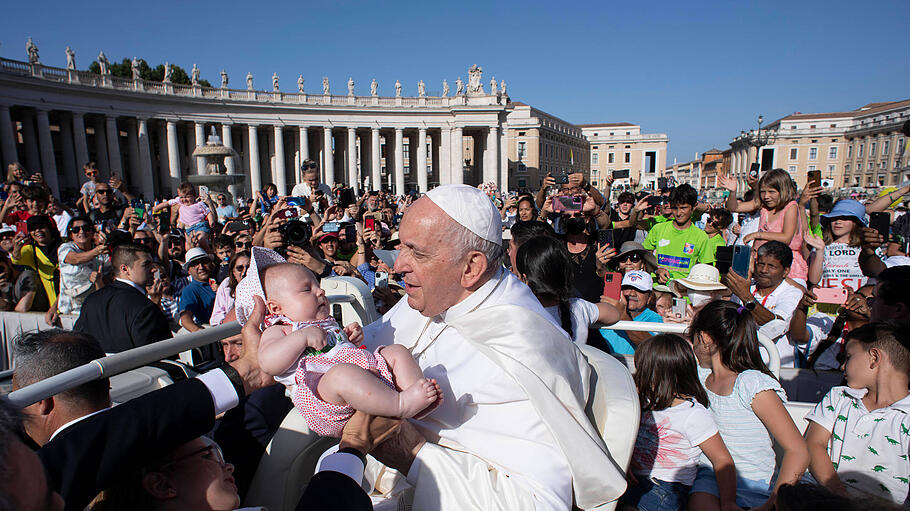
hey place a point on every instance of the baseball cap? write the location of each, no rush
(639, 280)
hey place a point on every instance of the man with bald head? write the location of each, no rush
(511, 432)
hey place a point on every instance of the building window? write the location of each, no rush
(407, 170)
(813, 153)
(886, 146)
(882, 165)
(794, 152)
(850, 151)
(859, 152)
(881, 180)
(846, 169)
(627, 158)
(870, 165)
(522, 149)
(628, 133)
(611, 158)
(522, 168)
(792, 169)
(832, 152)
(811, 167)
(830, 170)
(872, 149)
(595, 158)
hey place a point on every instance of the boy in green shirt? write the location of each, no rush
(679, 244)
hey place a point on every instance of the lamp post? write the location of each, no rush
(758, 140)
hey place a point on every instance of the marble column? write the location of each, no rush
(199, 140)
(445, 156)
(113, 145)
(173, 156)
(146, 179)
(7, 137)
(304, 136)
(399, 161)
(48, 162)
(353, 178)
(132, 139)
(491, 156)
(504, 162)
(70, 174)
(79, 143)
(422, 160)
(328, 166)
(281, 179)
(255, 174)
(227, 139)
(375, 160)
(30, 139)
(164, 171)
(457, 176)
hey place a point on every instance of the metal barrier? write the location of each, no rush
(680, 328)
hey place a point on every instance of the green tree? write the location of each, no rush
(155, 74)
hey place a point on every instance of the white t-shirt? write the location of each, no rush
(781, 302)
(667, 444)
(62, 220)
(584, 314)
(819, 325)
(750, 225)
(303, 190)
(868, 449)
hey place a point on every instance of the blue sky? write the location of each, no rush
(698, 71)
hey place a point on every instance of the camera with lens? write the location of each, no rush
(296, 232)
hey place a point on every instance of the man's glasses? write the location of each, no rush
(243, 244)
(87, 228)
(144, 241)
(93, 173)
(104, 190)
(633, 257)
(209, 452)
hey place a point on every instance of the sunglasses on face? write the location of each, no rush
(86, 228)
(635, 258)
(210, 452)
(104, 191)
(93, 173)
(243, 244)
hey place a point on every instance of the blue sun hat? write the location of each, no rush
(848, 208)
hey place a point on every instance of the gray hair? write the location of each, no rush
(41, 354)
(465, 241)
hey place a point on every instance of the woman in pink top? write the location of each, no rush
(224, 297)
(779, 217)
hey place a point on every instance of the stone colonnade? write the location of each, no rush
(153, 155)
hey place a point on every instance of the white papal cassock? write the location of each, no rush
(511, 432)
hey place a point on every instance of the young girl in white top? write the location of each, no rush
(675, 429)
(748, 405)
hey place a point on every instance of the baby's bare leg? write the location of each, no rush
(352, 385)
(404, 368)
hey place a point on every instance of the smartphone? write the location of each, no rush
(679, 307)
(346, 197)
(612, 283)
(561, 179)
(287, 213)
(620, 174)
(881, 222)
(655, 200)
(741, 259)
(662, 184)
(204, 191)
(605, 237)
(21, 227)
(369, 224)
(350, 232)
(835, 295)
(382, 279)
(236, 226)
(567, 203)
(331, 227)
(140, 212)
(753, 170)
(814, 178)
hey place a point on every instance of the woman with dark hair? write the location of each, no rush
(38, 252)
(543, 264)
(527, 210)
(224, 297)
(81, 260)
(17, 288)
(747, 402)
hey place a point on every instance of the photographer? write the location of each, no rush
(285, 233)
(81, 261)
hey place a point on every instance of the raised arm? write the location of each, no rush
(882, 203)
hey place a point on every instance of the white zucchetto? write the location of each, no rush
(471, 208)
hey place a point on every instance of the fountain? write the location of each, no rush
(216, 177)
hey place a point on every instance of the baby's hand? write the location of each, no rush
(354, 333)
(315, 337)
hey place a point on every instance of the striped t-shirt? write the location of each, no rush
(742, 431)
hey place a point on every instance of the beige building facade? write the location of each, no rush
(622, 146)
(877, 152)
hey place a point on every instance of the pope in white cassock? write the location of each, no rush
(511, 432)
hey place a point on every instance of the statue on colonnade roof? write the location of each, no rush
(475, 73)
(224, 79)
(249, 80)
(134, 68)
(104, 64)
(167, 73)
(300, 84)
(421, 89)
(194, 76)
(445, 88)
(459, 87)
(397, 88)
(32, 50)
(275, 82)
(70, 59)
(374, 87)
(325, 85)
(350, 86)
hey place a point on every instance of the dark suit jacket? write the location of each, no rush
(91, 455)
(331, 490)
(121, 318)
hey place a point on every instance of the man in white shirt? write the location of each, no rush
(311, 183)
(771, 298)
(466, 321)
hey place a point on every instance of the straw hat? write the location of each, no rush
(647, 255)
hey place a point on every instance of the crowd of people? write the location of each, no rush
(824, 280)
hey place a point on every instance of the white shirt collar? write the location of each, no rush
(130, 282)
(70, 423)
(472, 301)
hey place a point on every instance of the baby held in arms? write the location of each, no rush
(327, 374)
